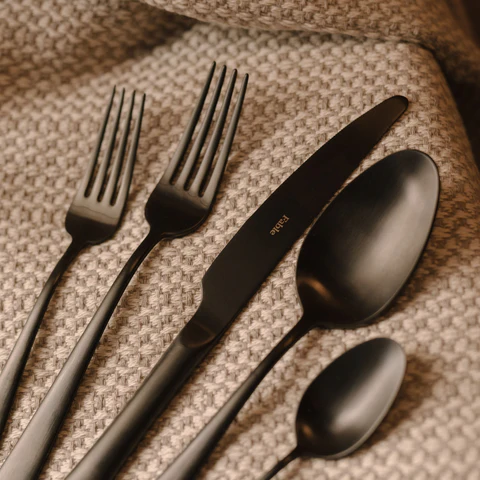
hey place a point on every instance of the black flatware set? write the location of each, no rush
(352, 264)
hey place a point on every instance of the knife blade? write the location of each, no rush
(234, 277)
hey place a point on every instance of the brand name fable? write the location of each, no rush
(279, 225)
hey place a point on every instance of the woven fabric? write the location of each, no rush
(438, 25)
(59, 62)
(444, 27)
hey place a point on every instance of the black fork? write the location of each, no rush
(179, 204)
(93, 217)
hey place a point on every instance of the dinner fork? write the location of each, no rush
(179, 204)
(93, 217)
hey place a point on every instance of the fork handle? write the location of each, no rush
(12, 371)
(31, 451)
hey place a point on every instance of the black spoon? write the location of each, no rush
(344, 405)
(352, 264)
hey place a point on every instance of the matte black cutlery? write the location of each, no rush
(345, 404)
(235, 276)
(179, 204)
(352, 264)
(93, 217)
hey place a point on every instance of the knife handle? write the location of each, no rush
(187, 465)
(112, 449)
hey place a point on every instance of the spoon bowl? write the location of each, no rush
(344, 405)
(362, 250)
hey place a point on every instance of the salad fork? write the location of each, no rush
(93, 217)
(179, 204)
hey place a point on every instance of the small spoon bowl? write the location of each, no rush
(344, 405)
(347, 401)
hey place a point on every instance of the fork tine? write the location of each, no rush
(187, 135)
(215, 140)
(93, 160)
(117, 165)
(202, 134)
(219, 168)
(132, 155)
(102, 171)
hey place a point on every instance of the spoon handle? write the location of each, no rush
(188, 463)
(295, 453)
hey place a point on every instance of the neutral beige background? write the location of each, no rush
(58, 64)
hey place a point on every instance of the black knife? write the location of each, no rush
(234, 277)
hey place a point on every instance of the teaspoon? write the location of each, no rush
(344, 405)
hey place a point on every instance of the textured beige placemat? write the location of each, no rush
(59, 63)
